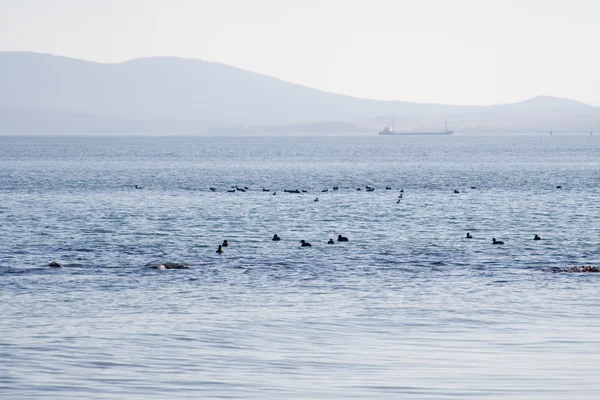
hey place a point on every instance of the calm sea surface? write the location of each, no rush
(408, 308)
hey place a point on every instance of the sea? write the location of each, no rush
(407, 308)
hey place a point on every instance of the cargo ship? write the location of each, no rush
(387, 132)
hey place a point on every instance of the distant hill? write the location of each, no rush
(43, 93)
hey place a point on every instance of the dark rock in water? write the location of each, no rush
(584, 268)
(170, 266)
(55, 264)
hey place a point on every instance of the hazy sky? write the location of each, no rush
(446, 51)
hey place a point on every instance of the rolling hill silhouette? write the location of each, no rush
(43, 93)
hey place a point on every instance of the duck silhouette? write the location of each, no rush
(304, 243)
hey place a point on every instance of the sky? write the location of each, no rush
(432, 51)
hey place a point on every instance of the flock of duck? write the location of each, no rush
(303, 243)
(238, 188)
(276, 238)
(340, 238)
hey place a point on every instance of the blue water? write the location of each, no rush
(408, 308)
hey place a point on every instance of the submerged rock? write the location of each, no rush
(169, 266)
(584, 268)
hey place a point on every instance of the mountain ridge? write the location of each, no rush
(191, 93)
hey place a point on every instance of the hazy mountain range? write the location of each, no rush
(41, 93)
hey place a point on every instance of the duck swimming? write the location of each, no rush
(276, 238)
(305, 244)
(494, 241)
(536, 237)
(55, 264)
(469, 236)
(342, 238)
(330, 241)
(225, 243)
(220, 250)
